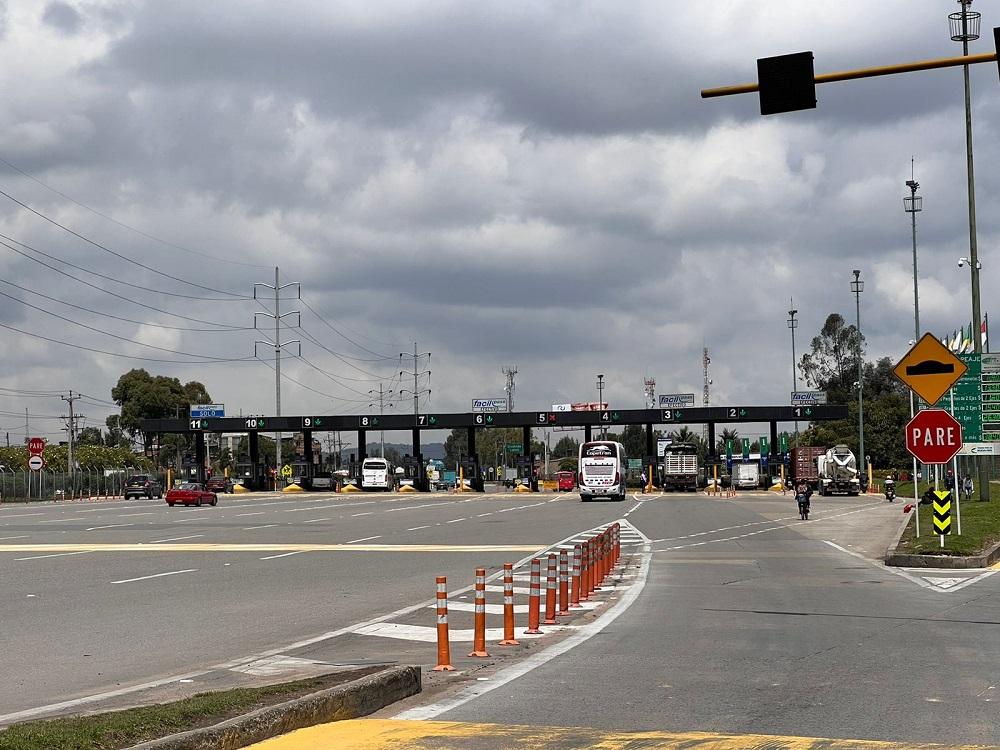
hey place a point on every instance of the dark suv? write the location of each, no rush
(143, 485)
(219, 484)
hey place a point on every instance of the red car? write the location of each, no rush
(567, 480)
(191, 493)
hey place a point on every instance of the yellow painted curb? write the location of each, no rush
(349, 488)
(293, 488)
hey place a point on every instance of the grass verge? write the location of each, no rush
(980, 526)
(122, 729)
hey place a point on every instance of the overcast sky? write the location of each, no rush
(529, 183)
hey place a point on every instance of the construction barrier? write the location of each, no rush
(574, 601)
(479, 633)
(444, 648)
(534, 597)
(550, 592)
(508, 606)
(585, 588)
(563, 583)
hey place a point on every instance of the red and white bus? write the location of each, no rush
(602, 468)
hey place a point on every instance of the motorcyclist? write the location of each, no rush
(890, 490)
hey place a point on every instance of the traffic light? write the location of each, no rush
(786, 83)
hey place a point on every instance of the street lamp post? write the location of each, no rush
(965, 28)
(600, 403)
(793, 324)
(912, 205)
(858, 286)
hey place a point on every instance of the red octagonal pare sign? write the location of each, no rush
(933, 436)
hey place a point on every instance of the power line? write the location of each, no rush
(111, 278)
(122, 224)
(118, 317)
(222, 326)
(117, 254)
(381, 357)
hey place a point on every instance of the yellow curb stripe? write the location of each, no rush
(293, 547)
(377, 734)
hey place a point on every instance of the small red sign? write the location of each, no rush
(36, 446)
(933, 436)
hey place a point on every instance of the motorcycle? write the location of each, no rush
(803, 500)
(890, 490)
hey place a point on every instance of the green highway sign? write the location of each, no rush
(783, 442)
(746, 448)
(635, 463)
(969, 404)
(514, 447)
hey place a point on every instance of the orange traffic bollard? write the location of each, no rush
(563, 583)
(534, 597)
(595, 557)
(550, 592)
(508, 606)
(444, 648)
(574, 600)
(585, 572)
(479, 634)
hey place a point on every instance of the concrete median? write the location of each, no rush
(349, 701)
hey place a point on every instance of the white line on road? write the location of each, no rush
(157, 575)
(286, 554)
(366, 513)
(110, 526)
(197, 518)
(19, 515)
(253, 528)
(132, 515)
(456, 520)
(363, 539)
(317, 520)
(254, 513)
(416, 507)
(176, 538)
(57, 554)
(415, 528)
(483, 515)
(22, 536)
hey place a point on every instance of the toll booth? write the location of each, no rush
(413, 470)
(473, 472)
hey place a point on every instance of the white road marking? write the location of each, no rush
(366, 513)
(110, 526)
(428, 634)
(317, 520)
(22, 536)
(415, 507)
(176, 538)
(253, 528)
(57, 554)
(19, 515)
(483, 515)
(185, 520)
(253, 513)
(415, 528)
(456, 520)
(62, 520)
(286, 554)
(132, 515)
(363, 539)
(157, 575)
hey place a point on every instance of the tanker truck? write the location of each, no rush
(838, 472)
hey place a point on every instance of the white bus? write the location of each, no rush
(376, 474)
(602, 469)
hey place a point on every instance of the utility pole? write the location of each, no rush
(510, 373)
(71, 429)
(417, 391)
(381, 409)
(277, 344)
(705, 362)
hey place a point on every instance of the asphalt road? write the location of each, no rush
(732, 615)
(76, 623)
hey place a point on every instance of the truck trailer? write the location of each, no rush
(838, 472)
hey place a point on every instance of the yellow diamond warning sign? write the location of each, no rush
(929, 369)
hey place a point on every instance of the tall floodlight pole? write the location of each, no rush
(600, 403)
(277, 344)
(913, 205)
(965, 28)
(792, 325)
(858, 286)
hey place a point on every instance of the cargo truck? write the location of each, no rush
(680, 467)
(746, 475)
(804, 467)
(838, 472)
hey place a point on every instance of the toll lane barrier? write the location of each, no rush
(572, 577)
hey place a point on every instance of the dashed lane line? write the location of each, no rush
(352, 546)
(110, 526)
(285, 554)
(364, 539)
(254, 528)
(317, 520)
(57, 554)
(157, 575)
(417, 528)
(176, 538)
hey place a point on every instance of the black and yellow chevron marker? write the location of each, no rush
(942, 512)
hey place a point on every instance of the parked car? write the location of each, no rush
(191, 493)
(143, 485)
(567, 480)
(219, 484)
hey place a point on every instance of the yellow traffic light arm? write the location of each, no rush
(847, 75)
